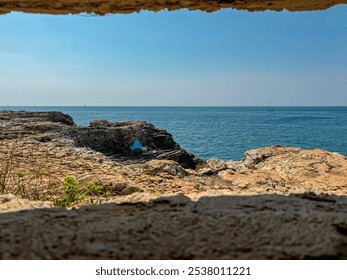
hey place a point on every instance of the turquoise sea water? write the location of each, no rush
(227, 132)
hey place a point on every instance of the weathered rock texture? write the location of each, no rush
(225, 227)
(288, 170)
(112, 139)
(127, 6)
(10, 203)
(48, 147)
(276, 203)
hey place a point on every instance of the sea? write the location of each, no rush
(228, 132)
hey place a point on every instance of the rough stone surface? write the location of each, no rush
(216, 164)
(111, 139)
(286, 171)
(224, 227)
(289, 170)
(276, 203)
(102, 7)
(154, 167)
(10, 203)
(206, 171)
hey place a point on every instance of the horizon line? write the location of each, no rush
(169, 106)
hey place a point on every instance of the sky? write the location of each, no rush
(182, 58)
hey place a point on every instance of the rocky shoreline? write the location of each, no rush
(278, 202)
(110, 139)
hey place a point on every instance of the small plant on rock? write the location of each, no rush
(6, 170)
(93, 189)
(20, 186)
(72, 193)
(75, 193)
(39, 173)
(146, 171)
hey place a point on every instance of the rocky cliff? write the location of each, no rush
(102, 7)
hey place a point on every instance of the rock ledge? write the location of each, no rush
(102, 7)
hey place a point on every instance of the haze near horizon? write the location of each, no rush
(182, 58)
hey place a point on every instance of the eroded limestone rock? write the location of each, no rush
(111, 139)
(12, 203)
(303, 226)
(155, 167)
(216, 164)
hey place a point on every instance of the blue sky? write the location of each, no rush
(175, 58)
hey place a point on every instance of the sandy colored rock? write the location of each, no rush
(102, 7)
(206, 171)
(276, 203)
(117, 184)
(155, 167)
(10, 203)
(216, 164)
(223, 227)
(289, 170)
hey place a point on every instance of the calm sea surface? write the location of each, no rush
(227, 132)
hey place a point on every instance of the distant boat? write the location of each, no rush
(270, 109)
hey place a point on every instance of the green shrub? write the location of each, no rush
(93, 189)
(72, 193)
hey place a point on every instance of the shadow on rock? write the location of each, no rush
(298, 226)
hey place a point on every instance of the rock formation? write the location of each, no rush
(11, 203)
(277, 202)
(112, 139)
(102, 7)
